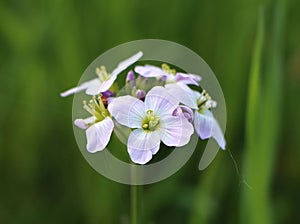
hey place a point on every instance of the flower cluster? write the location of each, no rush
(156, 106)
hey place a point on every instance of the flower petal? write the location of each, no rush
(94, 86)
(160, 101)
(142, 145)
(126, 63)
(149, 71)
(203, 123)
(207, 126)
(169, 78)
(98, 135)
(128, 111)
(175, 131)
(188, 78)
(183, 93)
(110, 99)
(184, 111)
(84, 123)
(83, 86)
(102, 86)
(218, 134)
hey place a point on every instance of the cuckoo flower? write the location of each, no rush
(104, 80)
(98, 127)
(152, 121)
(205, 124)
(167, 74)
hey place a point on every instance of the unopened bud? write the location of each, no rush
(140, 94)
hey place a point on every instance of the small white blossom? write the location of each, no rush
(205, 124)
(98, 127)
(104, 80)
(152, 121)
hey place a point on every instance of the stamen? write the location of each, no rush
(87, 108)
(205, 101)
(150, 122)
(165, 66)
(167, 69)
(96, 108)
(102, 73)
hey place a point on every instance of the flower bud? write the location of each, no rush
(140, 94)
(130, 78)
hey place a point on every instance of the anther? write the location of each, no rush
(149, 112)
(167, 69)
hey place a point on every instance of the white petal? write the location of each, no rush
(83, 86)
(183, 93)
(126, 63)
(102, 87)
(142, 145)
(188, 78)
(175, 131)
(110, 99)
(203, 123)
(84, 123)
(128, 111)
(98, 135)
(206, 126)
(149, 71)
(184, 111)
(160, 101)
(218, 134)
(170, 78)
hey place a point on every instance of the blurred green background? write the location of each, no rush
(46, 45)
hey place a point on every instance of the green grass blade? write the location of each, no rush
(262, 123)
(248, 198)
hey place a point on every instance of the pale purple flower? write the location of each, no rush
(205, 124)
(152, 121)
(104, 80)
(166, 74)
(98, 127)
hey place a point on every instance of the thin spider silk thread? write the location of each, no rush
(241, 179)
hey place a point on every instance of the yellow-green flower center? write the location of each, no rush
(205, 102)
(96, 108)
(150, 122)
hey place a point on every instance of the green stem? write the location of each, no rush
(136, 197)
(134, 204)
